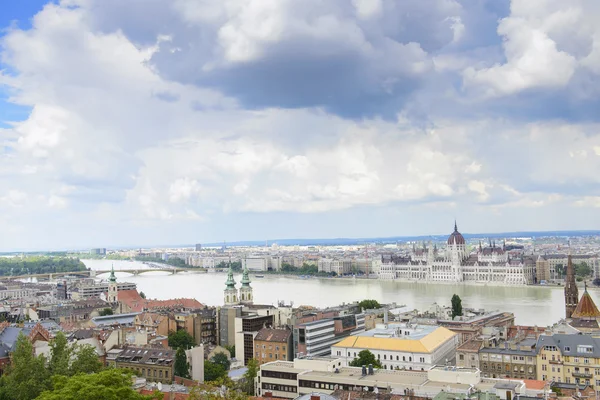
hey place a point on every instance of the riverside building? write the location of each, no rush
(493, 264)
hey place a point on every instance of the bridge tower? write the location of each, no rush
(230, 294)
(246, 289)
(112, 287)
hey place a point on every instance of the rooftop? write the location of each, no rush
(426, 344)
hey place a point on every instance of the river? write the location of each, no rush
(540, 306)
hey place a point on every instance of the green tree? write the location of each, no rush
(181, 338)
(457, 310)
(60, 355)
(213, 371)
(221, 359)
(27, 376)
(182, 368)
(142, 295)
(231, 349)
(369, 304)
(365, 357)
(86, 360)
(106, 311)
(249, 376)
(582, 270)
(110, 384)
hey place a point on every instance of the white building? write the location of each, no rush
(401, 346)
(255, 263)
(454, 264)
(195, 358)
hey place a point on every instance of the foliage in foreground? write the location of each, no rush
(369, 304)
(110, 384)
(28, 375)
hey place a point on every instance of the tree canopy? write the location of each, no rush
(39, 265)
(27, 376)
(369, 304)
(250, 375)
(456, 306)
(182, 367)
(365, 357)
(110, 384)
(221, 359)
(181, 338)
(213, 371)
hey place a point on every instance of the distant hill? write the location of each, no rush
(396, 239)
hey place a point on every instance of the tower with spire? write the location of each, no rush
(230, 294)
(571, 292)
(112, 287)
(246, 289)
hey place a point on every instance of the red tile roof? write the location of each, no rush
(136, 303)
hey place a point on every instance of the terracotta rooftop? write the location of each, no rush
(472, 345)
(586, 308)
(273, 335)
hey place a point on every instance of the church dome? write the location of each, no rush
(456, 237)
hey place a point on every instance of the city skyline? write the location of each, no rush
(253, 120)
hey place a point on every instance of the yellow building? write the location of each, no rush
(401, 346)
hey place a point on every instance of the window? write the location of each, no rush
(410, 359)
(403, 358)
(397, 358)
(567, 348)
(384, 357)
(461, 357)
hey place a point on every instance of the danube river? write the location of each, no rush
(540, 306)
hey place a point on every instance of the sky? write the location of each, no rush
(143, 122)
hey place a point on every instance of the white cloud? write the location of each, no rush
(115, 137)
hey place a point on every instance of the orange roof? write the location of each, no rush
(586, 308)
(534, 384)
(136, 303)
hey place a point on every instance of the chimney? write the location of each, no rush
(385, 316)
(370, 369)
(364, 370)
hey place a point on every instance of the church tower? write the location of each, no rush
(246, 289)
(230, 294)
(571, 292)
(112, 287)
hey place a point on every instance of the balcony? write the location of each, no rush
(587, 375)
(556, 362)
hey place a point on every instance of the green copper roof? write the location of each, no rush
(245, 278)
(230, 282)
(112, 277)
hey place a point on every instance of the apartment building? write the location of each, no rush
(273, 345)
(151, 363)
(246, 329)
(510, 359)
(401, 346)
(572, 359)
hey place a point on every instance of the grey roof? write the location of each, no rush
(507, 385)
(122, 319)
(568, 344)
(48, 324)
(320, 396)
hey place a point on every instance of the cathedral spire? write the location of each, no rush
(112, 277)
(571, 292)
(455, 226)
(230, 282)
(245, 278)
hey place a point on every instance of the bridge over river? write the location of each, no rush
(152, 267)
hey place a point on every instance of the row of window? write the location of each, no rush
(148, 373)
(264, 347)
(280, 388)
(385, 357)
(278, 375)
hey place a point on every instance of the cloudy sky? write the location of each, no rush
(146, 122)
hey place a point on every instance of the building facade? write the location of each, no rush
(151, 363)
(273, 345)
(492, 265)
(401, 346)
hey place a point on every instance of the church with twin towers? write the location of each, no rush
(231, 295)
